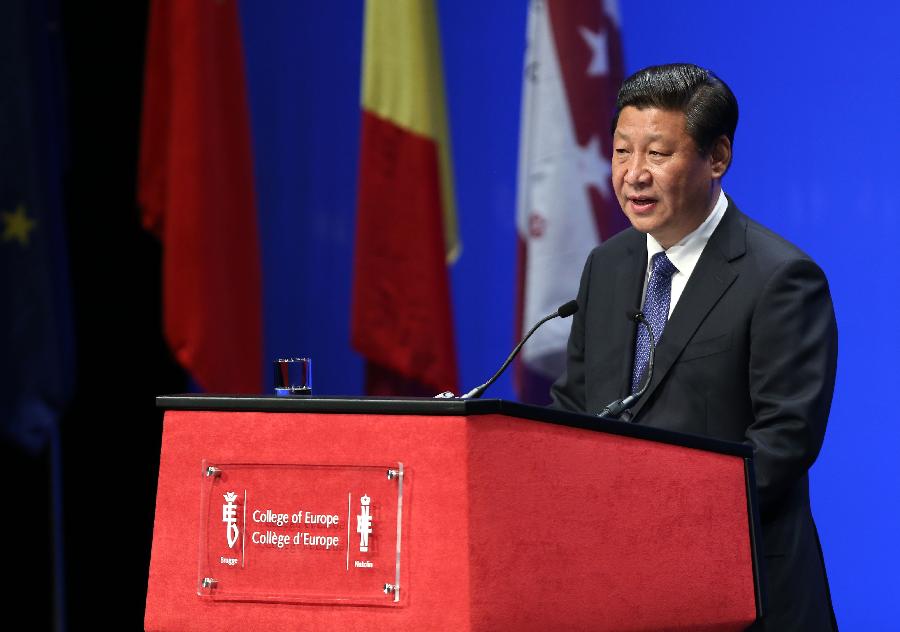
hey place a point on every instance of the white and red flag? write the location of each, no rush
(566, 205)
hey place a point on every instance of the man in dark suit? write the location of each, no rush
(747, 339)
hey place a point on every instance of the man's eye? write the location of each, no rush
(620, 151)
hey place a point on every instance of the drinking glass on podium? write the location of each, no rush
(293, 376)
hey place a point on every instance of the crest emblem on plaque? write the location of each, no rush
(229, 517)
(364, 523)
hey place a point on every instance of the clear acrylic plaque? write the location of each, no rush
(301, 533)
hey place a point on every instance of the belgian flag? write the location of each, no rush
(406, 220)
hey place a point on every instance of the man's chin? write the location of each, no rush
(642, 224)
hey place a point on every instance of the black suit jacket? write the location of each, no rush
(749, 355)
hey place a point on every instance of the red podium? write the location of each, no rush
(422, 514)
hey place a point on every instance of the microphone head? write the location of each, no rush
(568, 309)
(635, 315)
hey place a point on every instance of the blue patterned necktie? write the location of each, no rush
(656, 311)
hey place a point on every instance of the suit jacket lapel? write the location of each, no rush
(612, 377)
(629, 286)
(710, 279)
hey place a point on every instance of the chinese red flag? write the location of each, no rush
(196, 192)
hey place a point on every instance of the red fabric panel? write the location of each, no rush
(508, 525)
(590, 531)
(401, 318)
(434, 551)
(197, 193)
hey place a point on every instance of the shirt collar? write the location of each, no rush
(685, 254)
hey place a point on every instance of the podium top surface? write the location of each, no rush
(432, 407)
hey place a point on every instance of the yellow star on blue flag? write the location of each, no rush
(17, 225)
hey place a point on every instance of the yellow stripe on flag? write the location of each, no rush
(403, 82)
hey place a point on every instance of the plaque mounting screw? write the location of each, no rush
(212, 470)
(389, 589)
(392, 474)
(208, 582)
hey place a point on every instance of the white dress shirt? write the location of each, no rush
(685, 254)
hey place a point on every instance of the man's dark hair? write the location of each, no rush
(706, 102)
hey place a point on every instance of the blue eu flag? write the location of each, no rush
(36, 357)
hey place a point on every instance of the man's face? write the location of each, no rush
(663, 183)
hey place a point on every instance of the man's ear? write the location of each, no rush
(720, 156)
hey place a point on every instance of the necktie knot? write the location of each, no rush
(662, 266)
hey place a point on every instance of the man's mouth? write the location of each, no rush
(642, 203)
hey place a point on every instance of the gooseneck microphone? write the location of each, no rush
(563, 312)
(616, 408)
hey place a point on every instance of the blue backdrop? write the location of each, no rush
(819, 95)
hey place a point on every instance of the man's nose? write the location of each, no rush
(636, 171)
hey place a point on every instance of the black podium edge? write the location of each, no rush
(759, 579)
(449, 407)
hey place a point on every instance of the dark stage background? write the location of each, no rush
(814, 157)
